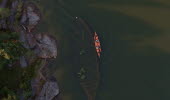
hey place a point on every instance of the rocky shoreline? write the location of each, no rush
(23, 18)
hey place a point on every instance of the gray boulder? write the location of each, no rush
(23, 62)
(49, 91)
(3, 3)
(31, 16)
(46, 46)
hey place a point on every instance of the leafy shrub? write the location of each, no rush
(4, 12)
(10, 48)
(8, 94)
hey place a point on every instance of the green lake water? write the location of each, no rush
(135, 37)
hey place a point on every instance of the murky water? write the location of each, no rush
(135, 40)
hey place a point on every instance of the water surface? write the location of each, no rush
(135, 40)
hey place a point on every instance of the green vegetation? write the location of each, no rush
(25, 82)
(82, 52)
(10, 48)
(4, 12)
(19, 10)
(82, 74)
(6, 35)
(10, 95)
(13, 78)
(16, 78)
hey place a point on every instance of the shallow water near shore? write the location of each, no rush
(135, 40)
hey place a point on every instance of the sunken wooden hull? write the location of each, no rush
(89, 60)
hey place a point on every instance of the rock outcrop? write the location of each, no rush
(30, 17)
(43, 46)
(8, 21)
(46, 46)
(3, 3)
(49, 91)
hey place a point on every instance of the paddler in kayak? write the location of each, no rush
(97, 44)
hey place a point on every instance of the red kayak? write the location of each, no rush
(97, 44)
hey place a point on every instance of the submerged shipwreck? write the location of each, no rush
(90, 59)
